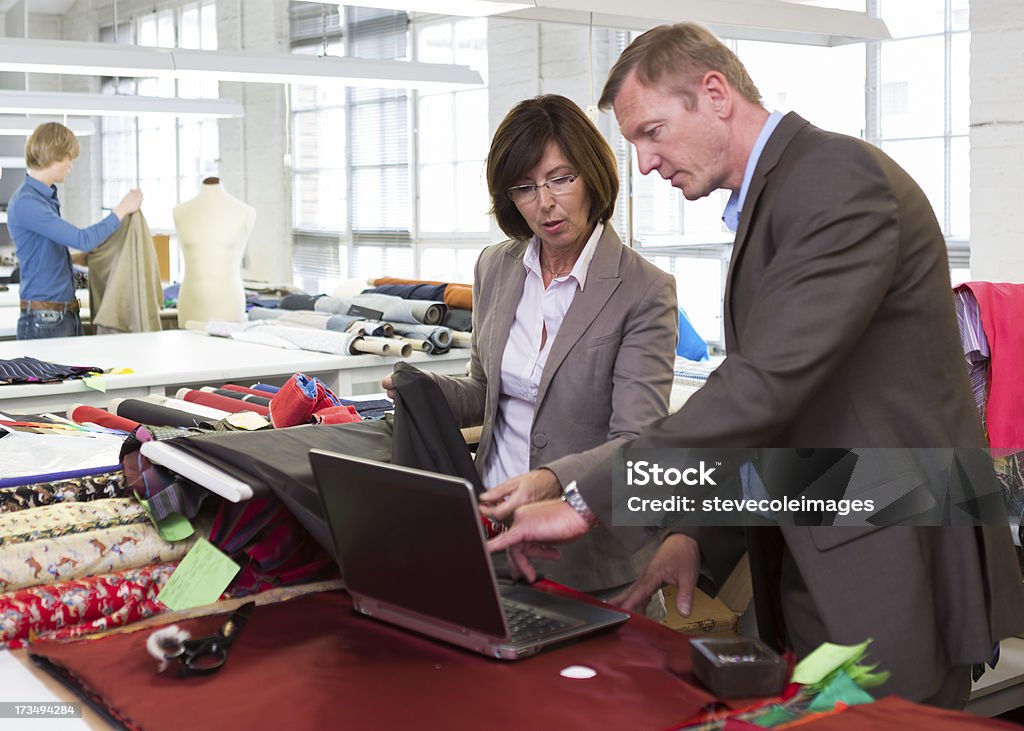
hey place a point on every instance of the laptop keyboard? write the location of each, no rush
(525, 623)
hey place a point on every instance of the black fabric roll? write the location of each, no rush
(146, 412)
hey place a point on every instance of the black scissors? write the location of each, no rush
(206, 655)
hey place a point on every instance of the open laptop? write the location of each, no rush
(412, 551)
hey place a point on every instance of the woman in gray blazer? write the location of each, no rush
(574, 334)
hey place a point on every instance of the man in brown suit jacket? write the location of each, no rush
(840, 332)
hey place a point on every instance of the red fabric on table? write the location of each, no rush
(242, 389)
(224, 403)
(337, 415)
(1002, 309)
(76, 607)
(292, 406)
(92, 415)
(313, 663)
(893, 713)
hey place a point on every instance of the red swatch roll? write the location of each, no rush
(92, 415)
(243, 389)
(221, 402)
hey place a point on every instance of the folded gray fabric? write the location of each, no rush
(344, 323)
(394, 309)
(440, 338)
(304, 318)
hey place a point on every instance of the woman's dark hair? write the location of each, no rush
(519, 144)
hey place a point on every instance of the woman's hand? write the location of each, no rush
(500, 502)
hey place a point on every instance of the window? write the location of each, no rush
(369, 195)
(351, 158)
(919, 116)
(452, 143)
(166, 156)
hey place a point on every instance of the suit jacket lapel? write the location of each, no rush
(602, 281)
(509, 284)
(770, 156)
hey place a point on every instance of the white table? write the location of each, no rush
(162, 362)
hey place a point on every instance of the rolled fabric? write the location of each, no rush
(266, 388)
(458, 319)
(223, 403)
(439, 337)
(421, 345)
(375, 328)
(376, 348)
(299, 301)
(100, 551)
(81, 414)
(298, 399)
(394, 309)
(98, 602)
(146, 412)
(352, 324)
(462, 340)
(207, 413)
(431, 292)
(261, 400)
(301, 318)
(455, 295)
(324, 341)
(398, 347)
(253, 391)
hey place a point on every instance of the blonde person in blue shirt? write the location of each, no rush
(42, 238)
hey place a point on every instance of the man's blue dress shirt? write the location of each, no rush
(41, 238)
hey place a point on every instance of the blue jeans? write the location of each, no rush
(36, 324)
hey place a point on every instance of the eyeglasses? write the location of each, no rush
(528, 193)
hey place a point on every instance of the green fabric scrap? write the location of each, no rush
(825, 659)
(841, 689)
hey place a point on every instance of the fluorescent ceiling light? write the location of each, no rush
(108, 59)
(112, 105)
(469, 8)
(24, 126)
(755, 20)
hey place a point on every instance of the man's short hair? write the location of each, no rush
(49, 143)
(678, 55)
(519, 144)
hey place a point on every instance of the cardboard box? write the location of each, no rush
(717, 616)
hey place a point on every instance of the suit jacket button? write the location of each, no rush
(540, 440)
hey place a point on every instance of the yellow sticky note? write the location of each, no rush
(95, 382)
(201, 577)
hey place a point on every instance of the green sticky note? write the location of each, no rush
(95, 382)
(842, 689)
(201, 577)
(824, 659)
(175, 527)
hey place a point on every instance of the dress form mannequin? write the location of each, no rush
(212, 229)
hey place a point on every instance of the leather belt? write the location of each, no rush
(27, 305)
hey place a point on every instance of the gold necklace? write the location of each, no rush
(552, 272)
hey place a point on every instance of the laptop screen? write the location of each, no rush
(409, 538)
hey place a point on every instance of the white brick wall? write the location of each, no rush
(997, 140)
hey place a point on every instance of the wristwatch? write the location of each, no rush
(571, 495)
